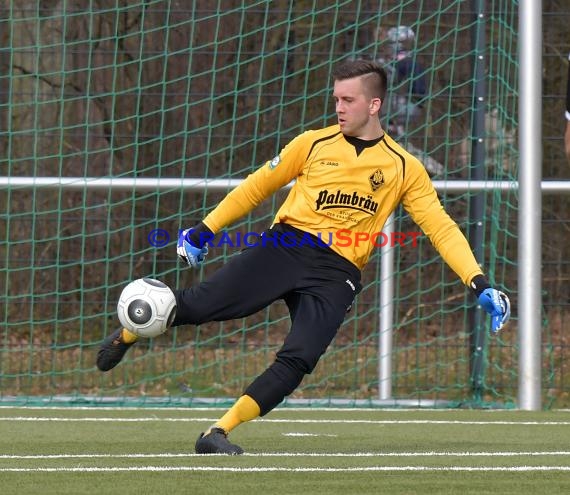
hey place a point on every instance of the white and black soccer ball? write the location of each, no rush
(146, 307)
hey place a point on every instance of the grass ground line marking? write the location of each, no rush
(291, 454)
(298, 421)
(276, 410)
(284, 469)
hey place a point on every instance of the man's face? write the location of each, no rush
(354, 108)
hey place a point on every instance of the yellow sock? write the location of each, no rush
(245, 409)
(128, 337)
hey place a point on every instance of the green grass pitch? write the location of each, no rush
(301, 451)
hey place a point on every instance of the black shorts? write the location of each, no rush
(317, 284)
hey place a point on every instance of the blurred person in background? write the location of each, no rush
(403, 107)
(406, 78)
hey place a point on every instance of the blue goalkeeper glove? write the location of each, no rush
(189, 253)
(497, 304)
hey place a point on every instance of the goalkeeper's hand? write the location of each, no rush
(497, 304)
(189, 253)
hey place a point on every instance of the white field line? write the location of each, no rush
(298, 421)
(292, 469)
(288, 454)
(278, 409)
(283, 469)
(299, 434)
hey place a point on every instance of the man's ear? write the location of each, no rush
(375, 105)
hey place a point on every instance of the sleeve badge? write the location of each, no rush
(274, 162)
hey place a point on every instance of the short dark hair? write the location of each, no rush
(376, 80)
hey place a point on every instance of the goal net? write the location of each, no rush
(106, 106)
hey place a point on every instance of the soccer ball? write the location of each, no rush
(146, 307)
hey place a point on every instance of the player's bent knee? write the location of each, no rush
(303, 361)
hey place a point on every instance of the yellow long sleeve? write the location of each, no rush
(338, 188)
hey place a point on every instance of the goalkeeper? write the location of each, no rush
(351, 175)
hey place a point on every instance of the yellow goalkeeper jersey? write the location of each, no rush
(341, 186)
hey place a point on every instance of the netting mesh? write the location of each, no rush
(159, 89)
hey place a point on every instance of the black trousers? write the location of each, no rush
(317, 284)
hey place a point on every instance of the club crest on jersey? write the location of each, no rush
(376, 180)
(339, 199)
(274, 162)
